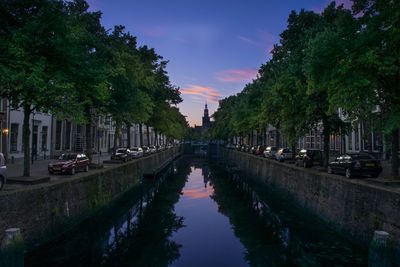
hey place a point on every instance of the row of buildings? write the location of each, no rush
(50, 136)
(361, 138)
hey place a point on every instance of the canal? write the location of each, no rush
(198, 214)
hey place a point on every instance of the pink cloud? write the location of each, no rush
(237, 76)
(210, 94)
(153, 31)
(267, 37)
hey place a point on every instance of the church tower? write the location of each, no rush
(206, 119)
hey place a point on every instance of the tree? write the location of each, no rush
(36, 52)
(91, 70)
(368, 73)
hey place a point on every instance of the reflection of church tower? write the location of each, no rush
(206, 119)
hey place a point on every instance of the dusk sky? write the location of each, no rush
(214, 47)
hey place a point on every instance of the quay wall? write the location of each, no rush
(43, 211)
(349, 205)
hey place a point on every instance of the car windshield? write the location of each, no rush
(67, 157)
(121, 150)
(362, 156)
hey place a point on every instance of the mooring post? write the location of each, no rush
(380, 250)
(12, 249)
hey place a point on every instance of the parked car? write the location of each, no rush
(153, 149)
(309, 157)
(146, 150)
(123, 154)
(259, 150)
(270, 152)
(136, 152)
(69, 163)
(352, 164)
(3, 171)
(284, 154)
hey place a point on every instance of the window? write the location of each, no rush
(67, 141)
(351, 141)
(356, 139)
(14, 137)
(58, 134)
(337, 142)
(332, 142)
(44, 138)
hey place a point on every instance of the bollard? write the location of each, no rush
(380, 250)
(12, 249)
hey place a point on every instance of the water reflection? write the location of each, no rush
(146, 241)
(126, 233)
(279, 233)
(195, 215)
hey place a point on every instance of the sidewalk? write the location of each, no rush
(38, 172)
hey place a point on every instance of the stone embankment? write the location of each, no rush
(350, 205)
(45, 210)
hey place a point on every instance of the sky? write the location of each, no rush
(214, 47)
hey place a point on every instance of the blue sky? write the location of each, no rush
(214, 47)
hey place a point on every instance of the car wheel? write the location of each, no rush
(124, 160)
(86, 168)
(330, 171)
(348, 173)
(73, 170)
(1, 182)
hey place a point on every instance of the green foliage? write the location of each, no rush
(55, 56)
(331, 69)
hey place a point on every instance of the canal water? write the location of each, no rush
(198, 214)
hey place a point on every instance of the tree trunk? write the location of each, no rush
(294, 151)
(148, 135)
(326, 134)
(89, 140)
(278, 137)
(25, 137)
(395, 155)
(265, 137)
(128, 134)
(155, 137)
(141, 134)
(116, 135)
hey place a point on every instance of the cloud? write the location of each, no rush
(237, 76)
(210, 94)
(153, 31)
(267, 37)
(266, 42)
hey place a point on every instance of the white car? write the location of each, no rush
(136, 152)
(153, 149)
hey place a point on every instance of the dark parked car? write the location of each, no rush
(146, 150)
(3, 171)
(123, 154)
(352, 164)
(270, 151)
(69, 163)
(309, 157)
